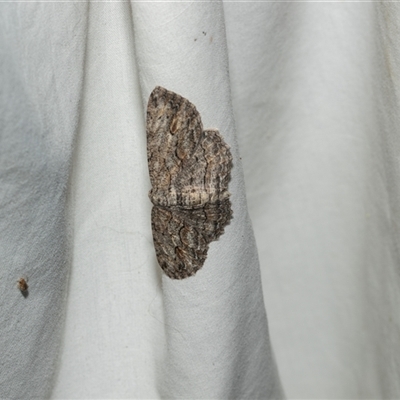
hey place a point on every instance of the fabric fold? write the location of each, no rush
(216, 327)
(41, 79)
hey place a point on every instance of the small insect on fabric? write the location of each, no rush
(23, 285)
(189, 172)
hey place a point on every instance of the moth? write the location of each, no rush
(189, 172)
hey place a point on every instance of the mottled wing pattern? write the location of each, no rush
(189, 172)
(181, 237)
(204, 177)
(174, 130)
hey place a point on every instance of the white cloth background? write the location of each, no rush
(315, 99)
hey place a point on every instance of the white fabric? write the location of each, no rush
(42, 53)
(315, 98)
(315, 94)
